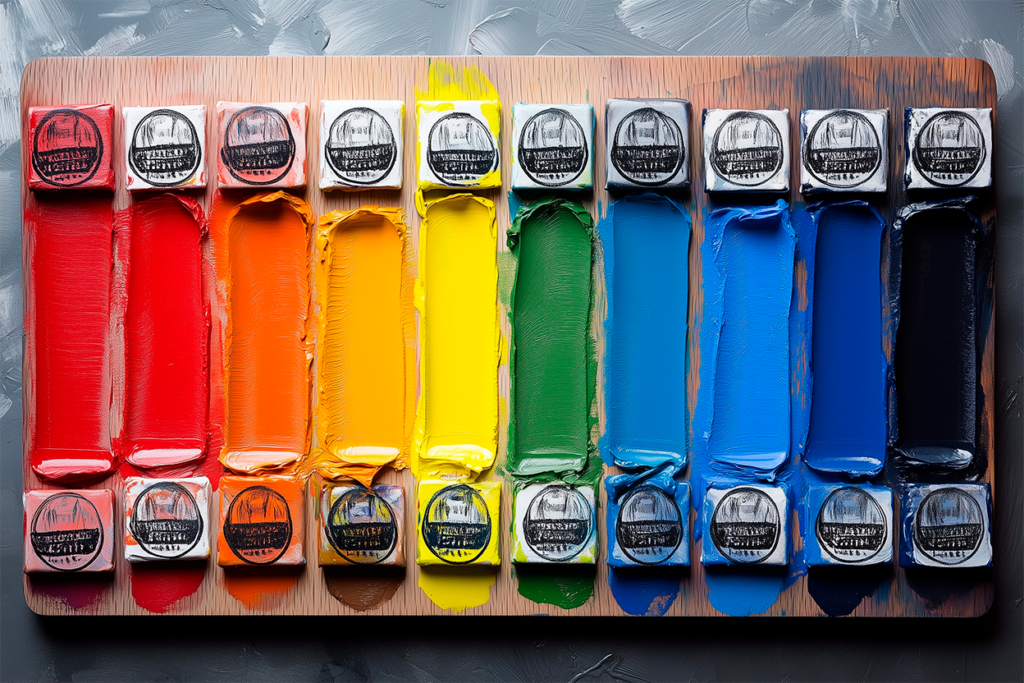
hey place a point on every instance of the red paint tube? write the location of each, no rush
(69, 260)
(166, 335)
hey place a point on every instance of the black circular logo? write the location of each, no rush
(648, 147)
(460, 149)
(949, 149)
(558, 523)
(66, 532)
(165, 148)
(949, 526)
(457, 524)
(650, 526)
(362, 527)
(747, 149)
(166, 520)
(843, 149)
(258, 145)
(553, 148)
(851, 526)
(67, 148)
(361, 146)
(258, 526)
(745, 526)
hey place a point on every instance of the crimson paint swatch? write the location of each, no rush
(67, 323)
(166, 332)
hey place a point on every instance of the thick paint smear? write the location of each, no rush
(457, 588)
(549, 430)
(644, 591)
(747, 262)
(445, 81)
(742, 592)
(67, 324)
(268, 348)
(748, 284)
(456, 434)
(159, 587)
(936, 356)
(457, 419)
(645, 239)
(261, 588)
(166, 335)
(646, 244)
(848, 418)
(362, 591)
(564, 586)
(552, 368)
(367, 353)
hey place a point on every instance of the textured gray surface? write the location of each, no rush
(95, 649)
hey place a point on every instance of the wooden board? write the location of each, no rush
(793, 83)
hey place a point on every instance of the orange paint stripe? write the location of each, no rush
(263, 260)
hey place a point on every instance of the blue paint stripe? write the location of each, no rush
(646, 242)
(848, 366)
(744, 402)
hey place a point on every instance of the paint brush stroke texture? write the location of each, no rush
(67, 320)
(936, 355)
(552, 368)
(166, 334)
(742, 418)
(268, 336)
(457, 295)
(367, 352)
(743, 412)
(646, 243)
(551, 350)
(456, 434)
(848, 418)
(645, 240)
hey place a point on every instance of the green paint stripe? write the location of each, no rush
(553, 365)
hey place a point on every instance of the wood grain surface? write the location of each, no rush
(707, 82)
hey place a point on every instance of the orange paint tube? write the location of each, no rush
(266, 269)
(366, 343)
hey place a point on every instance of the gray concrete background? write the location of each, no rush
(490, 649)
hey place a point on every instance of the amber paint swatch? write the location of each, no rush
(268, 343)
(367, 353)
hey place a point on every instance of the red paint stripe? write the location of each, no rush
(166, 333)
(67, 315)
